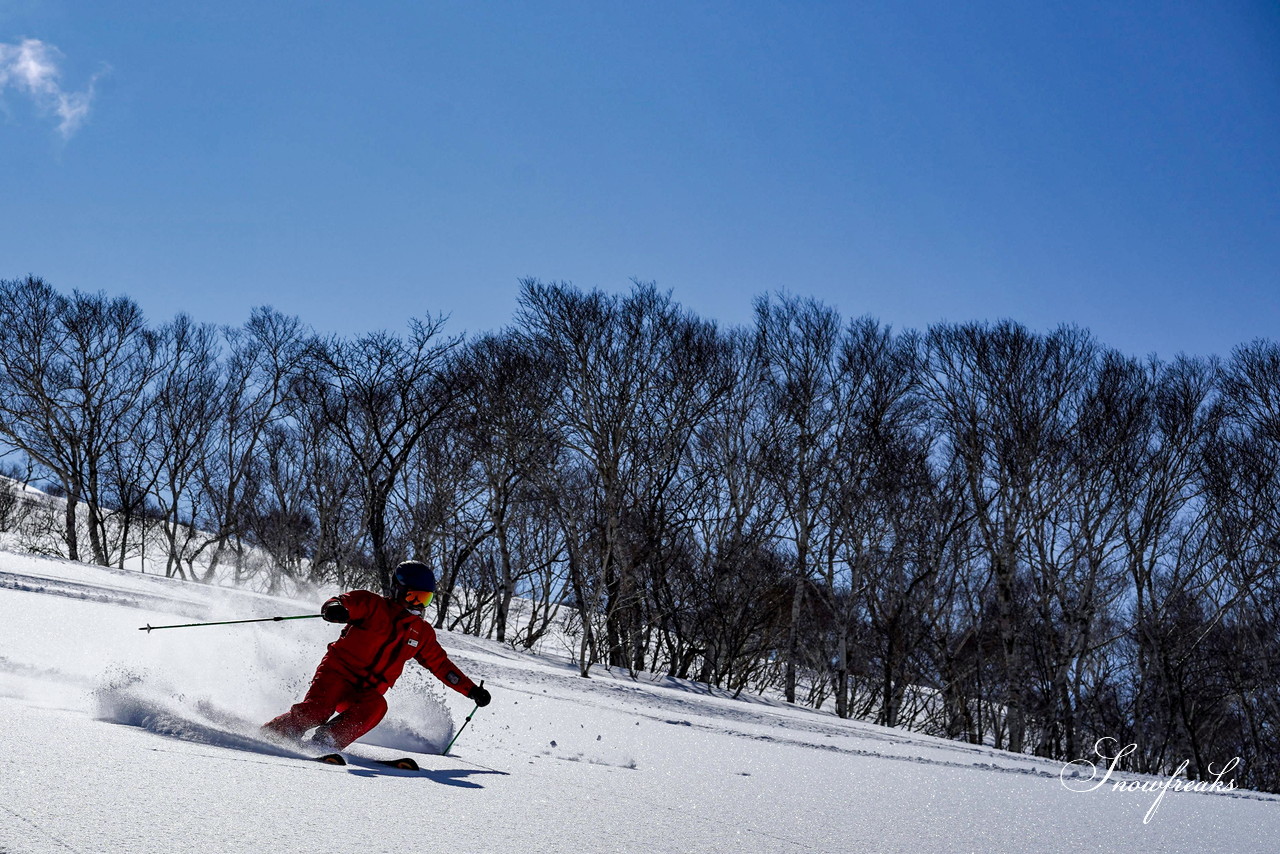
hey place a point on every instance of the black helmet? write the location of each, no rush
(412, 575)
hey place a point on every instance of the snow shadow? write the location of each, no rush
(455, 777)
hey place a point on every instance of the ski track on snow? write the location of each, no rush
(101, 594)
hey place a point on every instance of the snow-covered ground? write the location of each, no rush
(116, 740)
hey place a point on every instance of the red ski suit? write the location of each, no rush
(367, 659)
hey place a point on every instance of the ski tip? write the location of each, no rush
(332, 759)
(404, 763)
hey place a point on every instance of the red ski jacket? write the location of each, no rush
(380, 637)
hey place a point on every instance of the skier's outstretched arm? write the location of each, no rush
(433, 657)
(349, 607)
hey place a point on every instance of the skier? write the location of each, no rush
(381, 634)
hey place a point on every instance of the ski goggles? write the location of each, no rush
(421, 598)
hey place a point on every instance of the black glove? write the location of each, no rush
(335, 612)
(480, 695)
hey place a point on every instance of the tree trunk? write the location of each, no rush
(1004, 572)
(73, 538)
(842, 673)
(506, 585)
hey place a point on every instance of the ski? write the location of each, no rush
(404, 763)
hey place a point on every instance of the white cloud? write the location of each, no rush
(31, 67)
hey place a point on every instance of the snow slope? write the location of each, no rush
(115, 740)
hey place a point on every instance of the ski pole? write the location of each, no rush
(445, 752)
(150, 628)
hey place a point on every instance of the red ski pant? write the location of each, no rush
(359, 710)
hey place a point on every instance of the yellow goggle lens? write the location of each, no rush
(419, 597)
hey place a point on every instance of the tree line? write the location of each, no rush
(978, 531)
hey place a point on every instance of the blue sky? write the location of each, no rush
(1112, 165)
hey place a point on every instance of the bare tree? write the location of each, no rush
(185, 411)
(504, 406)
(608, 355)
(75, 370)
(339, 550)
(34, 378)
(281, 522)
(799, 342)
(736, 514)
(13, 502)
(443, 505)
(1004, 398)
(378, 395)
(692, 371)
(1075, 554)
(254, 382)
(880, 473)
(1163, 537)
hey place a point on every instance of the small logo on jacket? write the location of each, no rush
(413, 641)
